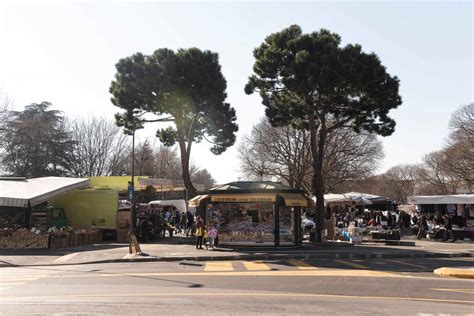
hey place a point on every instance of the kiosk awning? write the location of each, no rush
(296, 199)
(245, 198)
(194, 202)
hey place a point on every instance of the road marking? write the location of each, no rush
(218, 266)
(128, 255)
(469, 291)
(407, 264)
(22, 278)
(12, 283)
(66, 257)
(301, 265)
(256, 266)
(272, 273)
(248, 294)
(352, 264)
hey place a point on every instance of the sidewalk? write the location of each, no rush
(178, 249)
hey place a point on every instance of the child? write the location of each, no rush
(212, 234)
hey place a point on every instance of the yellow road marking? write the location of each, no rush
(352, 264)
(407, 264)
(219, 266)
(255, 266)
(251, 294)
(301, 265)
(66, 257)
(328, 272)
(469, 291)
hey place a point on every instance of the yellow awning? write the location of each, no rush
(244, 198)
(296, 199)
(194, 202)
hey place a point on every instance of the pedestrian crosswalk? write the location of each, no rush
(309, 265)
(219, 266)
(256, 266)
(301, 265)
(8, 281)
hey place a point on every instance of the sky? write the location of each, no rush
(65, 53)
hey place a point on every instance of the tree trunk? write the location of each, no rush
(192, 192)
(318, 140)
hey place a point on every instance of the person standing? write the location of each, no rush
(176, 220)
(422, 228)
(190, 223)
(212, 234)
(199, 233)
(448, 229)
(182, 223)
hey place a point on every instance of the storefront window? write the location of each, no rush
(243, 223)
(287, 226)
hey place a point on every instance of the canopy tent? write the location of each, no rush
(179, 204)
(351, 197)
(31, 192)
(442, 199)
(374, 199)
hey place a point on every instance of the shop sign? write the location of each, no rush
(244, 198)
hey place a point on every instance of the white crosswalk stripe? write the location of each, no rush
(66, 257)
(9, 280)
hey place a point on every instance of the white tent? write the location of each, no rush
(20, 192)
(351, 197)
(442, 199)
(179, 204)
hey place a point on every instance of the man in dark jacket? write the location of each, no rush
(448, 229)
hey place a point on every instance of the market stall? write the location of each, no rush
(25, 219)
(260, 213)
(348, 215)
(459, 206)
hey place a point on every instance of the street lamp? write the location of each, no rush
(132, 189)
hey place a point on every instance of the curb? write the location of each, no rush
(298, 256)
(455, 272)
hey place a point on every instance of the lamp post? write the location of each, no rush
(134, 213)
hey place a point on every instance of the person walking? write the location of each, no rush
(199, 233)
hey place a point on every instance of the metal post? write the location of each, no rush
(134, 214)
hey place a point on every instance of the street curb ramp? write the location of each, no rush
(455, 272)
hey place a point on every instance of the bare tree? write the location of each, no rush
(460, 148)
(462, 123)
(400, 181)
(281, 152)
(435, 175)
(349, 155)
(5, 116)
(167, 163)
(100, 150)
(284, 152)
(451, 170)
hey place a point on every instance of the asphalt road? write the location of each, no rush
(381, 286)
